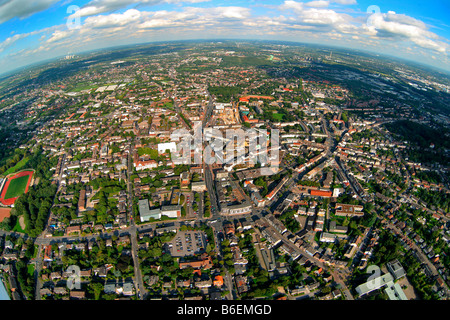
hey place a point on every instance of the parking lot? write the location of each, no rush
(187, 243)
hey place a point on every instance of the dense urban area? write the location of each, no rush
(93, 204)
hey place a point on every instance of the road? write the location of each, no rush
(178, 110)
(209, 176)
(139, 283)
(140, 289)
(208, 112)
(215, 213)
(217, 227)
(209, 180)
(38, 261)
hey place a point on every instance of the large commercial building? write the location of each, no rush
(171, 146)
(374, 284)
(242, 208)
(145, 213)
(393, 290)
(171, 211)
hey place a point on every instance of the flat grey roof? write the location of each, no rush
(144, 208)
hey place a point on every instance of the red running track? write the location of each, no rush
(10, 201)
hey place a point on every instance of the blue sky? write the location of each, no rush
(32, 31)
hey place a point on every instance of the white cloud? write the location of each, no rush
(384, 26)
(102, 6)
(113, 20)
(10, 9)
(11, 41)
(320, 18)
(58, 35)
(191, 16)
(232, 12)
(345, 1)
(392, 25)
(313, 21)
(318, 4)
(135, 26)
(288, 5)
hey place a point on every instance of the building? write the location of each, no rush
(128, 289)
(374, 284)
(258, 200)
(320, 193)
(337, 192)
(205, 262)
(203, 283)
(354, 246)
(77, 295)
(145, 213)
(218, 281)
(171, 211)
(273, 193)
(396, 269)
(237, 209)
(199, 186)
(223, 175)
(82, 201)
(73, 229)
(327, 237)
(184, 179)
(395, 292)
(171, 146)
(337, 229)
(348, 210)
(241, 284)
(143, 165)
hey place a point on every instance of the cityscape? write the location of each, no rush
(225, 169)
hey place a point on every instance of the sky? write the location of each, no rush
(37, 30)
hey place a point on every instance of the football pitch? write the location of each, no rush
(16, 187)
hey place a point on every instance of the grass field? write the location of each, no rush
(30, 269)
(19, 165)
(18, 227)
(16, 187)
(278, 116)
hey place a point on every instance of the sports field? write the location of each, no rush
(16, 187)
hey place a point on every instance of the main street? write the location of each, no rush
(140, 289)
(215, 209)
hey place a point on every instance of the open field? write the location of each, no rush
(4, 213)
